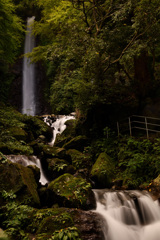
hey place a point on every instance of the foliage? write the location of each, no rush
(16, 216)
(11, 35)
(138, 161)
(75, 190)
(89, 50)
(66, 234)
(3, 159)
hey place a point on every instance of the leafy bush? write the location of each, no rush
(138, 160)
(70, 233)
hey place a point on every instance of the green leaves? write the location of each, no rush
(70, 233)
(138, 161)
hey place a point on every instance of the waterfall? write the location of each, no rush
(28, 86)
(26, 161)
(58, 125)
(129, 215)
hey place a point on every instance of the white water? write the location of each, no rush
(28, 86)
(26, 161)
(58, 126)
(126, 218)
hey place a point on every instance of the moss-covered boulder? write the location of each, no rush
(102, 171)
(77, 143)
(57, 167)
(72, 191)
(49, 152)
(20, 180)
(80, 160)
(37, 127)
(59, 218)
(17, 131)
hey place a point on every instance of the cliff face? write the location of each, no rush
(15, 95)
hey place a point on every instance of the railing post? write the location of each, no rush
(146, 127)
(118, 128)
(107, 133)
(130, 128)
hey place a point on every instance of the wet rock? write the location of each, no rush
(21, 181)
(80, 160)
(103, 171)
(72, 191)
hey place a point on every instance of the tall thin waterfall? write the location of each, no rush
(129, 215)
(28, 86)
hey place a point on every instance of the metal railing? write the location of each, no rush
(140, 123)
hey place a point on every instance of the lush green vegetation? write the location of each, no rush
(98, 52)
(101, 58)
(11, 35)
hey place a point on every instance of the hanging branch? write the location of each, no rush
(135, 37)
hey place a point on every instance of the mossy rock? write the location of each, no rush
(80, 160)
(55, 222)
(18, 133)
(56, 167)
(20, 180)
(77, 143)
(103, 171)
(67, 134)
(70, 128)
(15, 147)
(72, 191)
(38, 127)
(50, 152)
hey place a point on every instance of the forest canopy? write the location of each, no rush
(98, 52)
(11, 35)
(95, 52)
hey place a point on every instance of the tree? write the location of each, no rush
(11, 29)
(92, 48)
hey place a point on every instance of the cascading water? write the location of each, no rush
(58, 125)
(26, 161)
(28, 86)
(129, 215)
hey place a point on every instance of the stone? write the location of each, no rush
(21, 181)
(72, 191)
(102, 171)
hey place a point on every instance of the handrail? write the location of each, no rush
(145, 117)
(147, 123)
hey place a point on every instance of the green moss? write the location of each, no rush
(79, 159)
(18, 130)
(55, 222)
(103, 170)
(21, 181)
(56, 166)
(49, 220)
(29, 180)
(73, 190)
(37, 126)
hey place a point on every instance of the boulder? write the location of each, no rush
(80, 160)
(56, 167)
(103, 171)
(72, 191)
(20, 180)
(37, 127)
